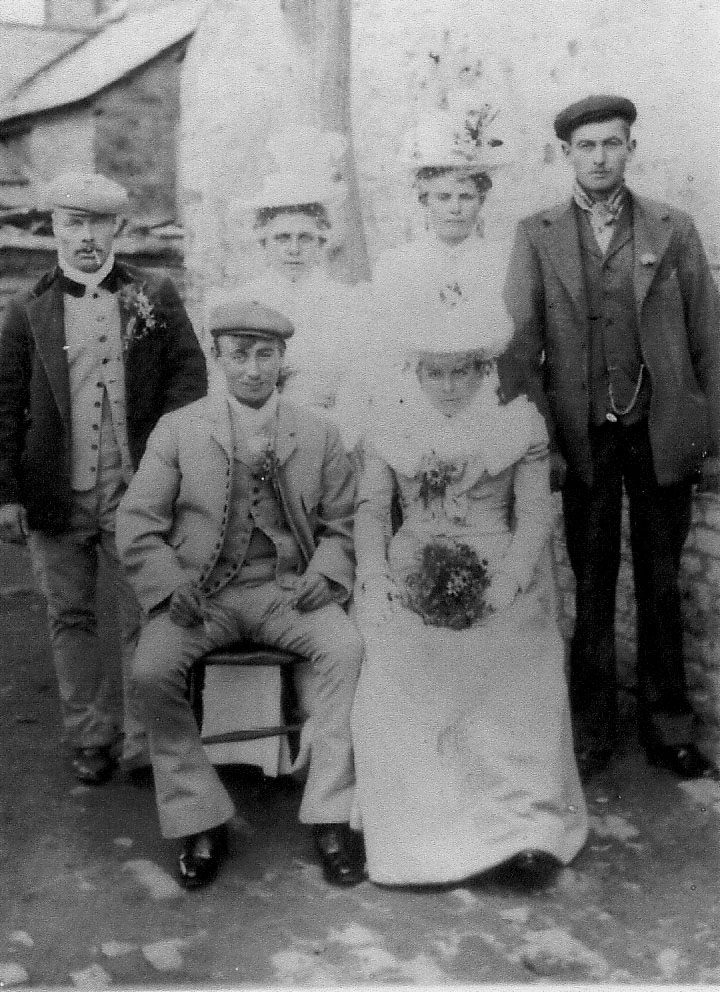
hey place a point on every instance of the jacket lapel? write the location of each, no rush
(652, 237)
(563, 244)
(286, 435)
(218, 413)
(47, 323)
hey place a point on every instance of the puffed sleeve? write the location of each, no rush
(372, 516)
(534, 511)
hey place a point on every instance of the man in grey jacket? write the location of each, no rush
(238, 524)
(618, 328)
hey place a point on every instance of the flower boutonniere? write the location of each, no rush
(268, 469)
(142, 319)
(435, 476)
(648, 258)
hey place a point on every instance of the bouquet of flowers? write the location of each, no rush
(448, 588)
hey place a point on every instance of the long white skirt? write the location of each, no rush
(463, 744)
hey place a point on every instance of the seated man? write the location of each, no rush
(238, 524)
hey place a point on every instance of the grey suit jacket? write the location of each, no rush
(678, 310)
(172, 520)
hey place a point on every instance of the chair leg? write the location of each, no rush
(195, 690)
(290, 709)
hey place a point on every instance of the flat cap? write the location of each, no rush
(243, 316)
(591, 110)
(86, 191)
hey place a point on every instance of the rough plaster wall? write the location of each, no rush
(136, 124)
(24, 49)
(538, 56)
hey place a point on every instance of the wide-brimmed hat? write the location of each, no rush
(479, 325)
(295, 189)
(461, 137)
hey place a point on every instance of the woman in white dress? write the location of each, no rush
(292, 222)
(462, 733)
(452, 156)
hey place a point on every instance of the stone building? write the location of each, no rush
(110, 103)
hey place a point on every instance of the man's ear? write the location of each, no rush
(120, 223)
(566, 149)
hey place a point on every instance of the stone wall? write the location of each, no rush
(135, 134)
(700, 591)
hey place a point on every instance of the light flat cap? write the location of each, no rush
(243, 316)
(592, 110)
(86, 191)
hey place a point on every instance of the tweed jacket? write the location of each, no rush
(171, 522)
(678, 311)
(164, 369)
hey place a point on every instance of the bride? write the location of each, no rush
(461, 724)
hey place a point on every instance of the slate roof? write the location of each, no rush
(103, 58)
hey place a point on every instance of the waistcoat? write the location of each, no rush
(97, 384)
(259, 545)
(615, 337)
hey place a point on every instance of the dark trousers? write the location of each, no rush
(659, 524)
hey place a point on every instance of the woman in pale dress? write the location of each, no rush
(462, 737)
(292, 220)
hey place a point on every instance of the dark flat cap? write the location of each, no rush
(243, 316)
(591, 110)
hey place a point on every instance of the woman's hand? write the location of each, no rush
(502, 591)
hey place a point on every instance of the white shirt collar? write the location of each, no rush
(88, 279)
(250, 420)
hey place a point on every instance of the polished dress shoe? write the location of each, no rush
(341, 852)
(531, 870)
(92, 765)
(683, 760)
(201, 856)
(592, 761)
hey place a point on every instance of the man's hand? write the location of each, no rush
(558, 471)
(186, 606)
(13, 523)
(311, 592)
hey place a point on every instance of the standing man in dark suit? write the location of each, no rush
(89, 361)
(618, 324)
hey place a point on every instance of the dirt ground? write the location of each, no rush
(89, 899)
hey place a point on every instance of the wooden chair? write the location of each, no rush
(247, 655)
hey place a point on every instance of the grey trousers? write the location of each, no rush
(95, 707)
(189, 794)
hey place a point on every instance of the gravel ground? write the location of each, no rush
(89, 899)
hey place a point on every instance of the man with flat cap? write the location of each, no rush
(89, 360)
(238, 524)
(618, 323)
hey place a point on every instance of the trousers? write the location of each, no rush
(659, 525)
(190, 796)
(93, 685)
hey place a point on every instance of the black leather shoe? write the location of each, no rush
(201, 856)
(92, 765)
(683, 760)
(592, 761)
(531, 870)
(342, 853)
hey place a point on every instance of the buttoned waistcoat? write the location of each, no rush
(172, 521)
(678, 312)
(164, 369)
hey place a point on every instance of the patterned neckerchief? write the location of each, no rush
(602, 213)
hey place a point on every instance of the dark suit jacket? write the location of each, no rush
(164, 370)
(678, 311)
